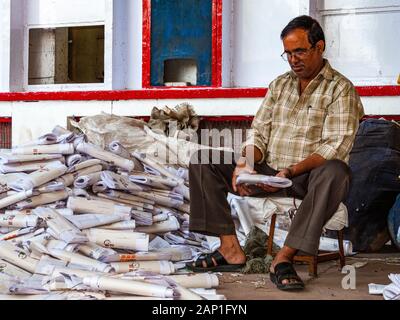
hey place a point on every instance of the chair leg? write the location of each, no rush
(341, 249)
(270, 242)
(313, 267)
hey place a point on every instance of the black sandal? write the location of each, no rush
(285, 271)
(222, 264)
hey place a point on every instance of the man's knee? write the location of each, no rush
(334, 170)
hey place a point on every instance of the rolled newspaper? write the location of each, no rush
(9, 269)
(150, 161)
(51, 186)
(129, 287)
(66, 148)
(97, 252)
(44, 198)
(16, 233)
(123, 225)
(98, 153)
(69, 178)
(196, 280)
(20, 159)
(20, 196)
(126, 196)
(79, 259)
(84, 165)
(25, 166)
(74, 159)
(118, 182)
(84, 181)
(80, 205)
(273, 181)
(61, 227)
(119, 239)
(118, 149)
(161, 267)
(171, 224)
(86, 221)
(19, 221)
(17, 256)
(135, 205)
(148, 181)
(39, 177)
(48, 138)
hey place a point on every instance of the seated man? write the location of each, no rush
(304, 131)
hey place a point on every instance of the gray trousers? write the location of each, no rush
(321, 192)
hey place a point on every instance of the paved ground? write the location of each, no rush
(328, 285)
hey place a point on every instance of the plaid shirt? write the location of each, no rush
(324, 120)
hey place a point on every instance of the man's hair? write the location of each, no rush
(307, 23)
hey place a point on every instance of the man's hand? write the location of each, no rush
(285, 173)
(242, 167)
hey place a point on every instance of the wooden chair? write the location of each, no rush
(311, 260)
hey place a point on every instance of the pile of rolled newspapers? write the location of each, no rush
(80, 222)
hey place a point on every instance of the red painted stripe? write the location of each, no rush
(146, 44)
(217, 43)
(172, 93)
(5, 120)
(379, 91)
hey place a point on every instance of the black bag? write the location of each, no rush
(375, 166)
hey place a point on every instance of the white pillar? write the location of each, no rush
(5, 42)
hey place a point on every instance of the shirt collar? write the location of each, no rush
(326, 72)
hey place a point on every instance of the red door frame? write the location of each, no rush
(216, 59)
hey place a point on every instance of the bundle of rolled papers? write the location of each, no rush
(80, 222)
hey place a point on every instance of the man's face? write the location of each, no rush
(303, 58)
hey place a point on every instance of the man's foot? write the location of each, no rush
(214, 262)
(285, 277)
(282, 272)
(229, 257)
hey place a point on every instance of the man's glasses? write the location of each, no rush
(298, 53)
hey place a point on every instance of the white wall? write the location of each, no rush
(18, 64)
(5, 29)
(127, 40)
(56, 12)
(363, 39)
(257, 25)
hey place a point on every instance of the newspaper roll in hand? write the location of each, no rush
(273, 181)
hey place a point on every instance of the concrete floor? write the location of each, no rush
(327, 286)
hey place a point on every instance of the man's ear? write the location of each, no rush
(320, 45)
